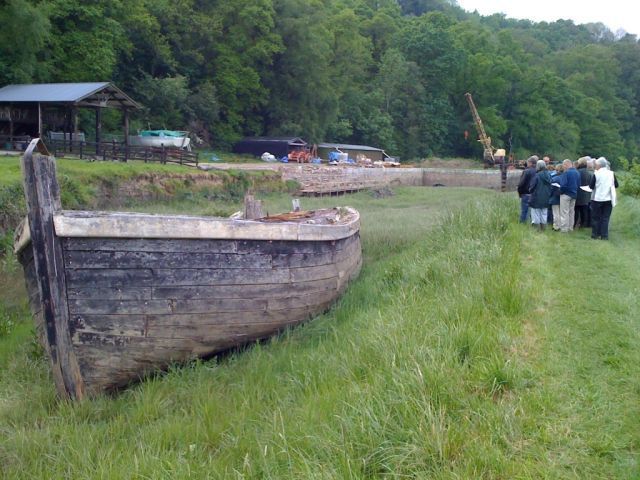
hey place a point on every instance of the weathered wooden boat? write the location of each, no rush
(161, 138)
(116, 296)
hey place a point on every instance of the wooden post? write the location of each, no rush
(503, 176)
(126, 134)
(252, 207)
(11, 125)
(67, 128)
(98, 130)
(39, 120)
(43, 202)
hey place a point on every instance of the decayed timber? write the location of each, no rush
(116, 296)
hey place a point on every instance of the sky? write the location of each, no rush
(615, 14)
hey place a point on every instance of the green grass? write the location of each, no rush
(470, 347)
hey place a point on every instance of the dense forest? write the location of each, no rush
(390, 73)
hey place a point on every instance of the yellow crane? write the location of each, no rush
(483, 138)
(491, 156)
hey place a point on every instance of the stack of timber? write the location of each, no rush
(117, 296)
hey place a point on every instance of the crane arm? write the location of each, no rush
(482, 135)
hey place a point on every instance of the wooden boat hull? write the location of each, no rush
(159, 142)
(135, 301)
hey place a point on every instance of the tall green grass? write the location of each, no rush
(409, 375)
(470, 347)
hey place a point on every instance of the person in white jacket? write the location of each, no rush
(603, 199)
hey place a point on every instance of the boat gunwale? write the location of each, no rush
(95, 224)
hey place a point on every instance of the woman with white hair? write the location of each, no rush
(540, 188)
(603, 199)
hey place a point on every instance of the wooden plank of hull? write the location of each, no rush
(150, 245)
(200, 306)
(110, 293)
(246, 291)
(201, 292)
(170, 260)
(142, 325)
(253, 247)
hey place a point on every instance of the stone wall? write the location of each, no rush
(319, 179)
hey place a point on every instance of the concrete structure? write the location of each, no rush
(323, 179)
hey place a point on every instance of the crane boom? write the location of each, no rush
(482, 135)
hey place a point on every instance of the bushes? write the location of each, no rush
(630, 176)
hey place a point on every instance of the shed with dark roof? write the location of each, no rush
(278, 146)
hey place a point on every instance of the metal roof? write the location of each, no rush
(96, 94)
(291, 140)
(343, 146)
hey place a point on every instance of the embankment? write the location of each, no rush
(113, 186)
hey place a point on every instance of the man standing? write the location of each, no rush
(569, 185)
(523, 187)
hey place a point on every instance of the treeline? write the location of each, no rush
(390, 73)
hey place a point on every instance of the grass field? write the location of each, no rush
(470, 347)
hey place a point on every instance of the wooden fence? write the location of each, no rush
(117, 151)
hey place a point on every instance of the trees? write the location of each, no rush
(391, 73)
(25, 30)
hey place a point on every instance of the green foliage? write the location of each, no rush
(631, 179)
(25, 31)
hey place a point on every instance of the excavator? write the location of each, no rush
(491, 155)
(483, 138)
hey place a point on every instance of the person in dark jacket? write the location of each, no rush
(540, 188)
(552, 173)
(523, 187)
(582, 217)
(569, 186)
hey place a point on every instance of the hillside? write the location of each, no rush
(389, 73)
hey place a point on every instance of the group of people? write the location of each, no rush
(569, 195)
